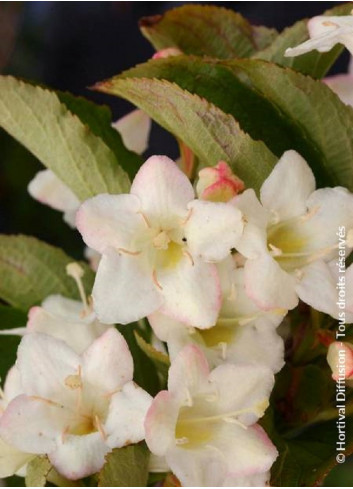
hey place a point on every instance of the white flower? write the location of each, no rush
(204, 424)
(12, 460)
(322, 286)
(157, 244)
(340, 359)
(325, 32)
(294, 227)
(243, 333)
(134, 128)
(75, 408)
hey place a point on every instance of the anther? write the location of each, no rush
(186, 253)
(128, 252)
(99, 427)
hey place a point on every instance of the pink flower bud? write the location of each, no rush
(218, 183)
(340, 359)
(166, 53)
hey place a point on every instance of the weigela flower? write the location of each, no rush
(75, 408)
(340, 359)
(325, 32)
(158, 243)
(218, 183)
(320, 288)
(134, 128)
(204, 424)
(243, 333)
(293, 227)
(12, 460)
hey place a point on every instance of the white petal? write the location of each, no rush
(213, 229)
(47, 188)
(107, 364)
(268, 285)
(32, 425)
(134, 129)
(44, 363)
(288, 187)
(163, 189)
(110, 220)
(13, 384)
(64, 308)
(12, 459)
(164, 326)
(124, 290)
(255, 480)
(79, 456)
(188, 374)
(127, 413)
(254, 238)
(243, 388)
(317, 288)
(191, 292)
(342, 85)
(160, 423)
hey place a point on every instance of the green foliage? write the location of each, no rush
(315, 64)
(60, 140)
(283, 108)
(31, 270)
(212, 134)
(125, 467)
(206, 30)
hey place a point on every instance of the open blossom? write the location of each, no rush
(340, 359)
(243, 333)
(205, 424)
(12, 460)
(322, 286)
(158, 244)
(325, 32)
(342, 84)
(218, 183)
(293, 227)
(75, 408)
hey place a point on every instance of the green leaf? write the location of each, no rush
(59, 139)
(205, 30)
(99, 119)
(211, 134)
(161, 360)
(9, 318)
(37, 471)
(145, 372)
(31, 270)
(125, 467)
(283, 108)
(314, 63)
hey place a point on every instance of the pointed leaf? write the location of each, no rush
(210, 133)
(31, 270)
(314, 63)
(125, 467)
(283, 108)
(60, 140)
(205, 30)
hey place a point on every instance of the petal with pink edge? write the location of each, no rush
(127, 413)
(107, 364)
(163, 189)
(124, 290)
(79, 456)
(191, 291)
(110, 220)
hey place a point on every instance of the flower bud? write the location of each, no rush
(218, 183)
(166, 53)
(340, 359)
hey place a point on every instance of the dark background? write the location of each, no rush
(72, 45)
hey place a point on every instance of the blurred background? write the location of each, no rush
(72, 45)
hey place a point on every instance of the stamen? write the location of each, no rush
(128, 252)
(154, 277)
(99, 427)
(76, 272)
(186, 253)
(223, 346)
(74, 381)
(64, 434)
(274, 250)
(187, 217)
(234, 421)
(47, 401)
(144, 217)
